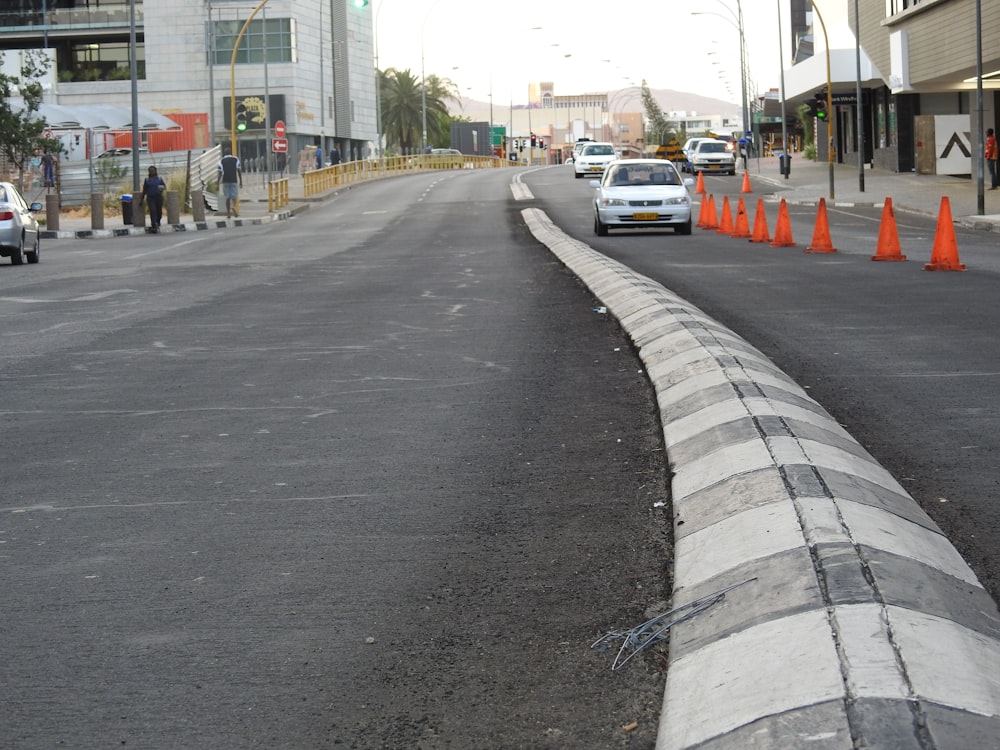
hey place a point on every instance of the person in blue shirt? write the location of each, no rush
(153, 190)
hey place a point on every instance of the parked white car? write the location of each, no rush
(19, 232)
(642, 194)
(593, 158)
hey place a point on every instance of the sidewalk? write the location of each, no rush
(809, 181)
(253, 210)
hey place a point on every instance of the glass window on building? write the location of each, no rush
(270, 39)
(104, 61)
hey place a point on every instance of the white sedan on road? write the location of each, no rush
(642, 194)
(593, 158)
(19, 230)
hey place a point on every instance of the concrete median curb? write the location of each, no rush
(857, 623)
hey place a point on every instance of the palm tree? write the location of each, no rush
(403, 113)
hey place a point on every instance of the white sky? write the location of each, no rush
(504, 46)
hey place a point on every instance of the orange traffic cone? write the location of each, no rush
(821, 234)
(760, 231)
(888, 237)
(783, 231)
(726, 219)
(742, 222)
(702, 212)
(711, 218)
(746, 183)
(944, 256)
(699, 188)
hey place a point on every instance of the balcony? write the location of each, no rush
(69, 19)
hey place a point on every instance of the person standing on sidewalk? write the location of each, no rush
(230, 181)
(991, 158)
(153, 188)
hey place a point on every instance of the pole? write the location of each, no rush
(861, 117)
(134, 69)
(232, 76)
(829, 100)
(784, 116)
(980, 146)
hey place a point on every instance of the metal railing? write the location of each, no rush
(277, 194)
(320, 180)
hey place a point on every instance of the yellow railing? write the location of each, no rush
(277, 194)
(320, 180)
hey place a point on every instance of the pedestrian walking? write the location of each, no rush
(48, 169)
(991, 158)
(230, 181)
(334, 155)
(153, 189)
(319, 158)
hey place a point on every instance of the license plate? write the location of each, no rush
(596, 169)
(714, 166)
(644, 217)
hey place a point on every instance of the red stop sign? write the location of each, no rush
(279, 129)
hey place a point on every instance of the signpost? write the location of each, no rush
(279, 129)
(279, 145)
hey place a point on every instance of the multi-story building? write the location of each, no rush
(918, 63)
(307, 63)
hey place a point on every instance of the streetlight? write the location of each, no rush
(423, 80)
(738, 24)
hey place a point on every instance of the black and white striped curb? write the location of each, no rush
(130, 231)
(858, 625)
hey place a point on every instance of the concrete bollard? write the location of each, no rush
(97, 210)
(173, 207)
(52, 212)
(198, 205)
(138, 211)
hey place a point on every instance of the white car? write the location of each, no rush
(593, 158)
(641, 194)
(711, 155)
(19, 231)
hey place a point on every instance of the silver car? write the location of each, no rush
(19, 233)
(642, 194)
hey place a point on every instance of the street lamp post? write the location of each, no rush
(737, 22)
(829, 100)
(423, 80)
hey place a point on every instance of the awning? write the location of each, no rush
(102, 117)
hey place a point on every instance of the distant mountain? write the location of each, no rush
(630, 100)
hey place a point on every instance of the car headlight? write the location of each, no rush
(613, 202)
(681, 201)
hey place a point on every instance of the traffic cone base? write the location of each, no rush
(944, 255)
(726, 219)
(888, 236)
(783, 231)
(746, 183)
(742, 228)
(760, 230)
(821, 242)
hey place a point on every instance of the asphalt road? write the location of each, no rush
(374, 477)
(907, 360)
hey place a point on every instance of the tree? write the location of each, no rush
(658, 127)
(403, 109)
(21, 128)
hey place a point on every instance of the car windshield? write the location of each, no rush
(642, 174)
(598, 151)
(713, 148)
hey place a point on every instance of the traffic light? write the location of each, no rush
(534, 140)
(360, 3)
(821, 111)
(241, 117)
(541, 143)
(811, 109)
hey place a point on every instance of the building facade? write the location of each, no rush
(307, 63)
(920, 109)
